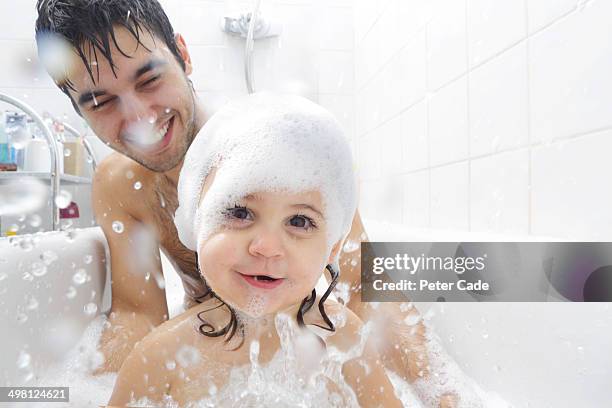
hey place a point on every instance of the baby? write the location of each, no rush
(266, 196)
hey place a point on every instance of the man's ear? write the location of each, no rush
(182, 47)
(334, 252)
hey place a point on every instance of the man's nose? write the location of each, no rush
(267, 242)
(135, 109)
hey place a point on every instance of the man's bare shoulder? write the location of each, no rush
(122, 181)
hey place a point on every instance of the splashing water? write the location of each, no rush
(117, 227)
(63, 199)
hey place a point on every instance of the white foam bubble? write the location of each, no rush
(266, 142)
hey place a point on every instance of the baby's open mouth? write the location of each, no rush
(262, 281)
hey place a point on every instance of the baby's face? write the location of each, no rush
(270, 253)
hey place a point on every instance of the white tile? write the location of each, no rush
(210, 65)
(493, 26)
(448, 128)
(198, 21)
(342, 107)
(20, 66)
(381, 200)
(499, 193)
(498, 103)
(389, 42)
(18, 20)
(373, 100)
(415, 146)
(410, 73)
(365, 16)
(570, 82)
(571, 197)
(360, 113)
(412, 17)
(390, 147)
(416, 199)
(336, 72)
(446, 41)
(544, 12)
(290, 70)
(336, 28)
(369, 157)
(449, 196)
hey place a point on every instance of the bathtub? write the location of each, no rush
(530, 354)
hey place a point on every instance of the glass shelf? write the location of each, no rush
(64, 179)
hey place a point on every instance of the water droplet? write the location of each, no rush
(187, 355)
(580, 349)
(87, 259)
(89, 159)
(118, 227)
(351, 246)
(24, 359)
(147, 276)
(71, 292)
(137, 185)
(22, 318)
(129, 174)
(90, 309)
(32, 304)
(3, 276)
(170, 364)
(27, 276)
(39, 269)
(63, 199)
(79, 277)
(67, 152)
(48, 257)
(412, 319)
(26, 244)
(35, 220)
(485, 335)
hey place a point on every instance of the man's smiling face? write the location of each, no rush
(146, 108)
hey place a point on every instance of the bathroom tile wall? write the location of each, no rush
(501, 110)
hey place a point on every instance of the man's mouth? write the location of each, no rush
(153, 140)
(262, 281)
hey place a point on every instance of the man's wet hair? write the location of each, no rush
(89, 26)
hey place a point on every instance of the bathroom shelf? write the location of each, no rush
(64, 178)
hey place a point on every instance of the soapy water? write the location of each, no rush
(297, 375)
(74, 371)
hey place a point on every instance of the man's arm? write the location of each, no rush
(138, 303)
(410, 359)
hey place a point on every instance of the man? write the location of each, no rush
(128, 78)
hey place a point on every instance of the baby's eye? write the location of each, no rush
(302, 221)
(240, 213)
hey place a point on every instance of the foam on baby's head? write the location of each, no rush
(266, 142)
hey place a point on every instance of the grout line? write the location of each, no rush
(408, 42)
(428, 168)
(468, 130)
(529, 135)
